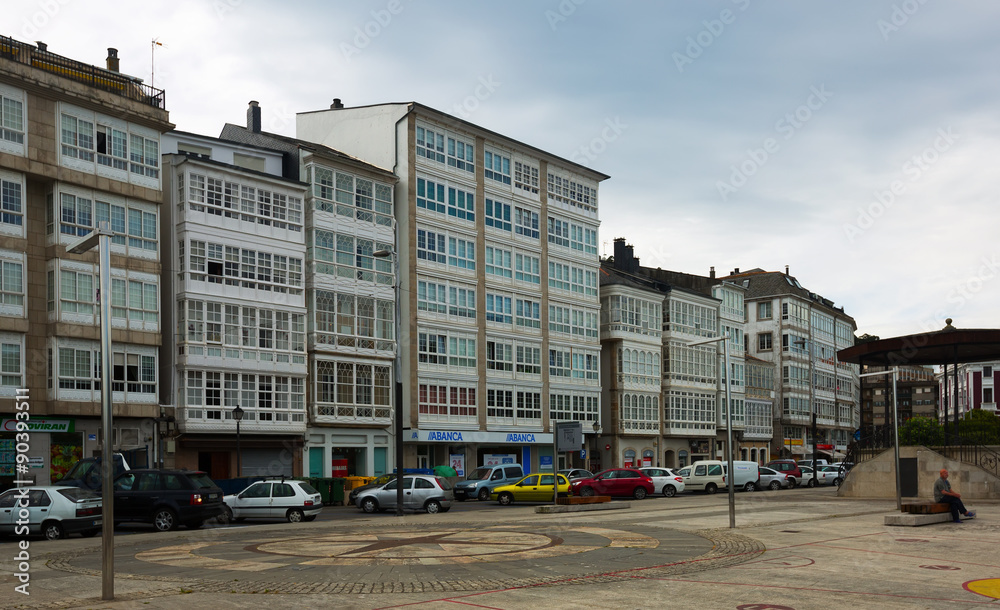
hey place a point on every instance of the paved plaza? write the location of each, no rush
(798, 550)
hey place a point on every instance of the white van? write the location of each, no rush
(710, 475)
(809, 463)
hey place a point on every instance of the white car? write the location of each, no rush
(772, 479)
(664, 481)
(823, 477)
(275, 499)
(53, 511)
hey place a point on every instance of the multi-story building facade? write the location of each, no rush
(349, 298)
(760, 395)
(977, 385)
(801, 332)
(234, 235)
(917, 387)
(79, 145)
(497, 254)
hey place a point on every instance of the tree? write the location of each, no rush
(921, 431)
(980, 426)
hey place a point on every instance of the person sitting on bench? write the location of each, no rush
(944, 494)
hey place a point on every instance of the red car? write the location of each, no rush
(787, 467)
(615, 482)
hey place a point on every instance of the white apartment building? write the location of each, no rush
(801, 332)
(350, 301)
(760, 395)
(496, 247)
(235, 299)
(79, 145)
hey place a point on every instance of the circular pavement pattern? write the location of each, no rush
(458, 557)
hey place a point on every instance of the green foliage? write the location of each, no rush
(980, 426)
(921, 431)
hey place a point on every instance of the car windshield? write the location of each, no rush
(479, 474)
(201, 481)
(309, 489)
(443, 483)
(80, 469)
(78, 494)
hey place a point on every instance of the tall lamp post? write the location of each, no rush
(238, 413)
(396, 368)
(101, 237)
(729, 426)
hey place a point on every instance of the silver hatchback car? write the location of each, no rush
(420, 492)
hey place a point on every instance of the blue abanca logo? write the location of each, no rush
(520, 438)
(444, 436)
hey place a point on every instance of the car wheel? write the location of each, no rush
(506, 498)
(484, 494)
(812, 483)
(227, 515)
(164, 520)
(837, 482)
(586, 491)
(432, 507)
(639, 493)
(90, 533)
(369, 505)
(669, 491)
(751, 486)
(792, 482)
(295, 516)
(711, 488)
(309, 518)
(774, 486)
(53, 531)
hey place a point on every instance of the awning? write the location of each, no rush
(833, 454)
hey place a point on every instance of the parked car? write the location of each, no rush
(615, 482)
(274, 499)
(481, 482)
(809, 463)
(664, 480)
(710, 475)
(54, 511)
(420, 492)
(823, 477)
(532, 488)
(86, 473)
(352, 498)
(772, 479)
(836, 473)
(576, 473)
(788, 467)
(167, 498)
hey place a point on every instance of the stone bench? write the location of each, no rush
(926, 507)
(583, 500)
(924, 512)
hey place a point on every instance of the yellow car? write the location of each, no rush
(532, 488)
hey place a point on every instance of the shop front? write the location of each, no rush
(54, 444)
(340, 452)
(466, 450)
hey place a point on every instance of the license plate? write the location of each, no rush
(98, 522)
(213, 496)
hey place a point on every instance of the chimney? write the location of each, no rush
(736, 271)
(253, 117)
(42, 46)
(337, 104)
(112, 59)
(711, 273)
(786, 269)
(625, 259)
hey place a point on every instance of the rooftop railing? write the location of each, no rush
(113, 82)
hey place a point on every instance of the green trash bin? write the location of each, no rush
(336, 487)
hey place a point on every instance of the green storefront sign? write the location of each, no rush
(40, 425)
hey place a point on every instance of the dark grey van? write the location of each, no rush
(481, 481)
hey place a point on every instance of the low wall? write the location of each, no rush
(876, 478)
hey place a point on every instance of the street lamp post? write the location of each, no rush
(101, 237)
(238, 416)
(729, 427)
(396, 372)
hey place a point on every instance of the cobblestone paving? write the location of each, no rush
(638, 551)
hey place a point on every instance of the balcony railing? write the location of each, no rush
(106, 80)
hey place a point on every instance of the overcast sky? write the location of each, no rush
(855, 142)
